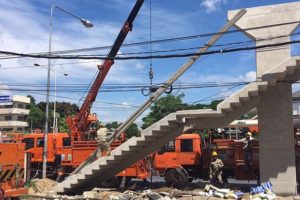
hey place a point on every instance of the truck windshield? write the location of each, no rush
(40, 142)
(67, 141)
(29, 143)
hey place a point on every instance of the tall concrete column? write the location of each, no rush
(277, 152)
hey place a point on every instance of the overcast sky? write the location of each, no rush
(24, 28)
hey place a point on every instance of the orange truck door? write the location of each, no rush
(166, 157)
(188, 154)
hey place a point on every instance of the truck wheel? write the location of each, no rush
(176, 178)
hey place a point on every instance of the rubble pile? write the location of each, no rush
(40, 186)
(40, 189)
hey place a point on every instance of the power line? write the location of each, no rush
(102, 102)
(117, 89)
(160, 40)
(29, 66)
(88, 57)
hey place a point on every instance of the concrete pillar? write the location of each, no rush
(277, 152)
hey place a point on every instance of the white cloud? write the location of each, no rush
(248, 77)
(193, 77)
(212, 5)
(139, 66)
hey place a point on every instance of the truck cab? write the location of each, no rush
(34, 144)
(179, 158)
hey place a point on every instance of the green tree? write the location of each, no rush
(162, 107)
(170, 103)
(130, 132)
(214, 104)
(62, 125)
(36, 117)
(63, 109)
(112, 125)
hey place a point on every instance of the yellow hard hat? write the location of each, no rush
(249, 133)
(214, 153)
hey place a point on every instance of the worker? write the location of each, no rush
(247, 149)
(103, 145)
(215, 172)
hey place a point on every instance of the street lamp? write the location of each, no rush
(87, 24)
(55, 129)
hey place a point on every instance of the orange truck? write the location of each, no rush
(12, 170)
(34, 144)
(64, 156)
(188, 157)
(73, 156)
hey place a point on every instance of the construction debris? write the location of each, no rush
(40, 186)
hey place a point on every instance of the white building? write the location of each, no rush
(13, 113)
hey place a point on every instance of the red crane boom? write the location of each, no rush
(80, 123)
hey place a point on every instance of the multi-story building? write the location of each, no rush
(13, 113)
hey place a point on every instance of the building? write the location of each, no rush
(13, 113)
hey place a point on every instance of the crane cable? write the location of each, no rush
(151, 89)
(151, 73)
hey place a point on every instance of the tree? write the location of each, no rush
(112, 125)
(62, 125)
(36, 117)
(169, 104)
(214, 104)
(63, 109)
(130, 132)
(162, 107)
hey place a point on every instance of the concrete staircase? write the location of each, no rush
(174, 125)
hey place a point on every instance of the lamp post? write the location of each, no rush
(55, 129)
(87, 24)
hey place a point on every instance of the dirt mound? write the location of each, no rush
(41, 186)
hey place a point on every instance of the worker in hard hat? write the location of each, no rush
(102, 139)
(216, 166)
(247, 148)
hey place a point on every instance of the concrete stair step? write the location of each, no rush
(262, 86)
(199, 113)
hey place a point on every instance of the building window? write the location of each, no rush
(21, 118)
(20, 105)
(19, 129)
(186, 145)
(7, 118)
